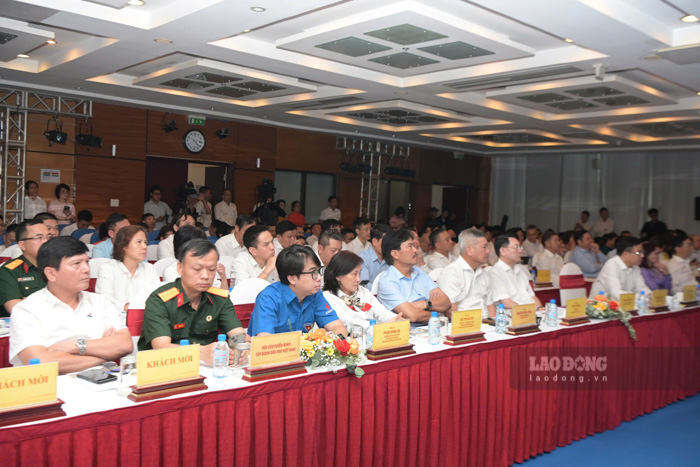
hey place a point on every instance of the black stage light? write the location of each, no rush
(55, 136)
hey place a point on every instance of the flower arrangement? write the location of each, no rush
(327, 349)
(602, 308)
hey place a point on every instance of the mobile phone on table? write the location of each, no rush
(96, 376)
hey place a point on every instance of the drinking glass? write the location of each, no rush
(357, 332)
(127, 375)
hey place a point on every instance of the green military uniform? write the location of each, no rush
(169, 313)
(18, 279)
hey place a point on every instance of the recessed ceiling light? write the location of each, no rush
(689, 19)
(163, 41)
(22, 56)
(246, 30)
(52, 41)
(698, 93)
(136, 2)
(258, 9)
(570, 41)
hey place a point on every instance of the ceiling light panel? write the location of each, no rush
(353, 47)
(456, 50)
(398, 117)
(405, 34)
(403, 60)
(20, 38)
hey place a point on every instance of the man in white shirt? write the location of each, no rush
(604, 225)
(425, 245)
(165, 247)
(464, 281)
(679, 264)
(33, 204)
(286, 235)
(232, 244)
(329, 245)
(63, 323)
(259, 259)
(549, 259)
(203, 206)
(532, 245)
(621, 274)
(696, 249)
(583, 223)
(332, 211)
(312, 239)
(510, 280)
(158, 208)
(225, 210)
(83, 222)
(442, 244)
(363, 232)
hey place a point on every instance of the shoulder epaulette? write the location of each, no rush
(169, 294)
(14, 264)
(218, 292)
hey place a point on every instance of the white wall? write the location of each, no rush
(552, 190)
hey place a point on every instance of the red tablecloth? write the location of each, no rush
(452, 407)
(5, 352)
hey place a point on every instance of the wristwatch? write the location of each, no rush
(429, 305)
(82, 346)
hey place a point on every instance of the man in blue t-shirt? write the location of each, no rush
(294, 303)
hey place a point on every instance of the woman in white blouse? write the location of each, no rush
(121, 279)
(354, 304)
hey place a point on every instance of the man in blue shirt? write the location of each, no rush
(587, 255)
(114, 223)
(404, 288)
(372, 260)
(294, 303)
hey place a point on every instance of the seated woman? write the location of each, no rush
(60, 207)
(354, 304)
(654, 272)
(121, 279)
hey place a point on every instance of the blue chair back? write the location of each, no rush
(80, 232)
(152, 236)
(95, 237)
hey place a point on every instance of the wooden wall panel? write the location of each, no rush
(160, 143)
(98, 180)
(124, 127)
(349, 197)
(256, 142)
(244, 182)
(421, 205)
(307, 152)
(63, 162)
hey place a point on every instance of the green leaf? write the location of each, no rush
(359, 372)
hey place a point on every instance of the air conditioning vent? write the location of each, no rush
(324, 103)
(508, 79)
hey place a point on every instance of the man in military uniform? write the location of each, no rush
(190, 308)
(19, 278)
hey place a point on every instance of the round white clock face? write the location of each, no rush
(194, 141)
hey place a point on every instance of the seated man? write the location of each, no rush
(329, 245)
(372, 260)
(83, 222)
(49, 221)
(114, 223)
(587, 255)
(442, 244)
(296, 300)
(9, 237)
(312, 239)
(232, 244)
(531, 245)
(363, 230)
(63, 323)
(20, 278)
(190, 308)
(510, 280)
(286, 235)
(404, 288)
(259, 258)
(621, 274)
(203, 207)
(182, 236)
(465, 281)
(165, 247)
(549, 259)
(679, 264)
(148, 221)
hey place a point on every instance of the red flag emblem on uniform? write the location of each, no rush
(180, 300)
(26, 268)
(179, 326)
(327, 307)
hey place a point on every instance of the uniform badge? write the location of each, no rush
(179, 326)
(208, 318)
(26, 268)
(180, 300)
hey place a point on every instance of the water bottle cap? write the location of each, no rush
(602, 292)
(641, 292)
(551, 300)
(501, 305)
(434, 314)
(184, 342)
(34, 361)
(372, 322)
(222, 337)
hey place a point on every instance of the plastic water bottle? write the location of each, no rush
(533, 273)
(434, 329)
(369, 335)
(642, 305)
(221, 358)
(501, 319)
(34, 361)
(184, 342)
(552, 314)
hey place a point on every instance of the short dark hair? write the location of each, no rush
(359, 222)
(578, 235)
(341, 264)
(203, 189)
(182, 217)
(244, 219)
(602, 209)
(531, 226)
(52, 252)
(280, 201)
(22, 227)
(434, 209)
(28, 183)
(586, 213)
(42, 216)
(147, 215)
(433, 237)
(291, 261)
(503, 241)
(652, 211)
(547, 236)
(294, 203)
(378, 231)
(163, 232)
(154, 188)
(59, 187)
(676, 242)
(285, 226)
(113, 219)
(392, 241)
(331, 197)
(250, 237)
(327, 235)
(184, 235)
(123, 238)
(198, 247)
(623, 244)
(85, 215)
(328, 224)
(400, 211)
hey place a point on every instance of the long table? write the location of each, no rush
(453, 406)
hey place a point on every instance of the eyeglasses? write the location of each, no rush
(315, 274)
(40, 238)
(517, 247)
(638, 253)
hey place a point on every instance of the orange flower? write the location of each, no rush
(601, 298)
(317, 334)
(354, 346)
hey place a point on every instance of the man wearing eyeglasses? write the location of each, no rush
(621, 273)
(20, 277)
(294, 303)
(510, 280)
